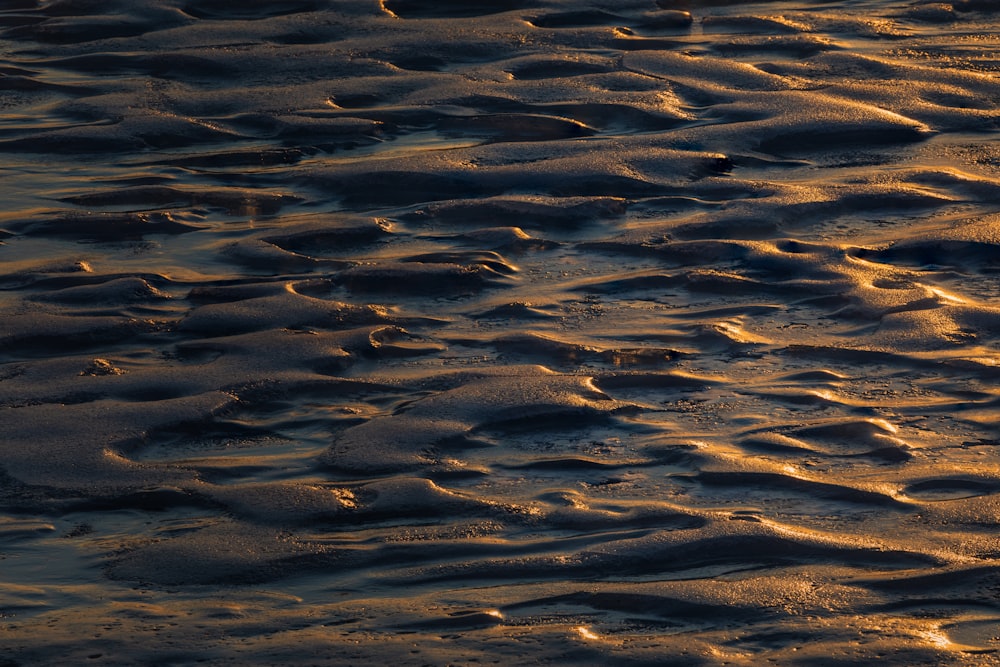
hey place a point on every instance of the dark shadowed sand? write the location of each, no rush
(412, 332)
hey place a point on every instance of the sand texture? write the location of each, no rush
(413, 332)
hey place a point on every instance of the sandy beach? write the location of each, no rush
(367, 332)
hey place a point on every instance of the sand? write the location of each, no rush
(350, 332)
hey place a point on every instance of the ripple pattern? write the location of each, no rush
(346, 332)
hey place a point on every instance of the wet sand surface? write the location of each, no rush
(520, 331)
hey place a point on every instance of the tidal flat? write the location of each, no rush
(367, 332)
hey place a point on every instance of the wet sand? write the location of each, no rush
(519, 331)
